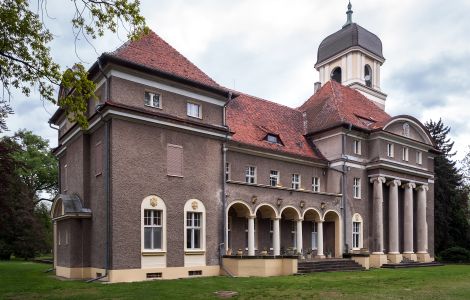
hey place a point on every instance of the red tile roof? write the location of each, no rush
(153, 52)
(335, 104)
(251, 119)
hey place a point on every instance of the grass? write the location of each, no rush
(27, 280)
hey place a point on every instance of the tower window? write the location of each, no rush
(336, 75)
(368, 75)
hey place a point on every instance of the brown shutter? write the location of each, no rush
(174, 160)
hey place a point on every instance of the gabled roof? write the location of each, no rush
(251, 119)
(335, 105)
(153, 52)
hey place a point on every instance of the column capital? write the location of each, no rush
(251, 217)
(409, 185)
(423, 187)
(394, 182)
(380, 179)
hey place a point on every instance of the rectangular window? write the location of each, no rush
(152, 99)
(316, 184)
(227, 171)
(174, 160)
(293, 233)
(98, 158)
(296, 181)
(419, 157)
(193, 230)
(194, 110)
(153, 229)
(274, 178)
(250, 174)
(356, 235)
(314, 236)
(357, 188)
(405, 153)
(357, 147)
(390, 150)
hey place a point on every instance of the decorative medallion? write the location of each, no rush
(194, 205)
(153, 201)
(406, 129)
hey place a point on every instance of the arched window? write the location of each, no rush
(153, 215)
(368, 75)
(357, 232)
(336, 74)
(195, 226)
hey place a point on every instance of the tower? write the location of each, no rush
(353, 56)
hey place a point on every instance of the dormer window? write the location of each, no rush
(152, 100)
(368, 75)
(273, 138)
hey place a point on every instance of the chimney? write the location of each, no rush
(317, 86)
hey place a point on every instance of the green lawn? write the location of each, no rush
(26, 280)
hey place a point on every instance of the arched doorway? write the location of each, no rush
(289, 230)
(236, 225)
(332, 233)
(312, 232)
(265, 218)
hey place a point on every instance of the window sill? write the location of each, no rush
(153, 253)
(194, 252)
(198, 118)
(178, 176)
(157, 107)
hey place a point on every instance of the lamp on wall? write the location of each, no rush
(279, 201)
(302, 204)
(322, 205)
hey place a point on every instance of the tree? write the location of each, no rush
(465, 163)
(25, 59)
(450, 196)
(38, 169)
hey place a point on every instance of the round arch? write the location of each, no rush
(416, 125)
(310, 213)
(239, 206)
(336, 74)
(290, 207)
(267, 210)
(334, 216)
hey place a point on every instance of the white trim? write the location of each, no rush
(348, 164)
(339, 133)
(100, 83)
(61, 151)
(274, 156)
(398, 178)
(282, 188)
(430, 180)
(355, 158)
(71, 136)
(165, 87)
(350, 49)
(403, 164)
(415, 145)
(399, 169)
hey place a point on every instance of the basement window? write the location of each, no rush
(154, 275)
(195, 273)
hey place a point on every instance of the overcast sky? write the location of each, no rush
(268, 48)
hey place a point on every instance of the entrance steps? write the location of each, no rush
(328, 265)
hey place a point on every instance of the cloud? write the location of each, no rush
(268, 48)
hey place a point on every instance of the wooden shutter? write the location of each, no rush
(174, 160)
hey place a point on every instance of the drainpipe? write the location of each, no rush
(343, 185)
(106, 177)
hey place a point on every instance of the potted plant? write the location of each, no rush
(309, 253)
(264, 252)
(240, 252)
(328, 253)
(229, 251)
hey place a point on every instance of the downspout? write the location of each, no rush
(343, 186)
(106, 177)
(224, 187)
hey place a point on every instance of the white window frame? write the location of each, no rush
(190, 110)
(153, 202)
(357, 188)
(419, 157)
(274, 178)
(193, 224)
(390, 148)
(357, 147)
(293, 233)
(357, 233)
(195, 206)
(154, 214)
(296, 181)
(314, 236)
(227, 171)
(316, 184)
(405, 153)
(153, 96)
(250, 174)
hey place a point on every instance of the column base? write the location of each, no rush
(320, 256)
(395, 258)
(423, 257)
(377, 260)
(410, 256)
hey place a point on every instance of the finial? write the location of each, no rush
(349, 13)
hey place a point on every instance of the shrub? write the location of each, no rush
(455, 254)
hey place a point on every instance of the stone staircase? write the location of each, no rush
(328, 265)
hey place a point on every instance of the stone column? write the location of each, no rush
(276, 237)
(377, 258)
(408, 222)
(422, 228)
(393, 253)
(299, 236)
(251, 235)
(320, 239)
